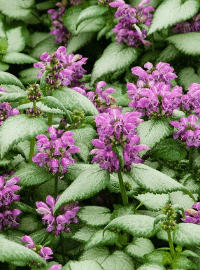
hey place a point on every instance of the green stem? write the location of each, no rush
(190, 158)
(62, 248)
(171, 246)
(56, 187)
(138, 207)
(34, 106)
(32, 146)
(50, 118)
(122, 188)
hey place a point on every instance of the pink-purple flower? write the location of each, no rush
(62, 221)
(56, 267)
(186, 27)
(6, 111)
(117, 129)
(187, 130)
(130, 19)
(191, 101)
(44, 252)
(192, 215)
(63, 69)
(55, 153)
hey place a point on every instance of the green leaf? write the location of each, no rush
(94, 215)
(18, 58)
(83, 265)
(85, 186)
(84, 234)
(103, 31)
(98, 254)
(122, 211)
(136, 225)
(169, 149)
(153, 131)
(46, 5)
(187, 76)
(139, 247)
(153, 201)
(78, 41)
(187, 234)
(28, 224)
(16, 9)
(119, 151)
(118, 261)
(10, 88)
(7, 78)
(24, 207)
(70, 17)
(14, 235)
(19, 128)
(3, 66)
(154, 181)
(47, 45)
(117, 57)
(168, 54)
(83, 137)
(101, 239)
(91, 12)
(11, 251)
(159, 256)
(169, 12)
(91, 25)
(29, 75)
(31, 174)
(73, 100)
(187, 43)
(3, 44)
(189, 253)
(74, 170)
(152, 266)
(37, 37)
(181, 199)
(8, 97)
(54, 103)
(183, 263)
(16, 41)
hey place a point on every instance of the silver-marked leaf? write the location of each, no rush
(16, 40)
(19, 128)
(41, 106)
(4, 97)
(29, 75)
(82, 265)
(91, 12)
(152, 266)
(84, 234)
(98, 254)
(187, 76)
(169, 12)
(11, 251)
(154, 181)
(153, 201)
(3, 66)
(181, 199)
(168, 54)
(187, 234)
(153, 131)
(73, 100)
(115, 57)
(85, 186)
(10, 88)
(91, 25)
(18, 58)
(94, 215)
(74, 170)
(104, 31)
(101, 238)
(187, 43)
(159, 256)
(118, 261)
(78, 41)
(139, 247)
(137, 225)
(7, 78)
(37, 37)
(83, 137)
(16, 9)
(53, 102)
(70, 17)
(31, 174)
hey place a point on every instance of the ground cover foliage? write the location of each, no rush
(99, 134)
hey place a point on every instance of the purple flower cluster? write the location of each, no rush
(117, 129)
(186, 27)
(191, 215)
(127, 29)
(56, 267)
(61, 222)
(9, 217)
(63, 69)
(152, 95)
(61, 33)
(44, 252)
(101, 98)
(55, 153)
(191, 101)
(187, 130)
